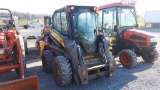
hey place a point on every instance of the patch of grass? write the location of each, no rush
(1, 23)
(24, 22)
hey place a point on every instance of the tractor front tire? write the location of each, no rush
(62, 71)
(147, 57)
(128, 58)
(24, 67)
(47, 58)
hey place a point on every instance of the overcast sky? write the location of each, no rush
(48, 6)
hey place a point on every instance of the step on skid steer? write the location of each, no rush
(12, 54)
(71, 47)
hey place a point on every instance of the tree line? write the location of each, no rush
(27, 16)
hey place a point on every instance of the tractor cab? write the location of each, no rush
(118, 21)
(114, 19)
(6, 33)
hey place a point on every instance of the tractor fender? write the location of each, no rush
(42, 45)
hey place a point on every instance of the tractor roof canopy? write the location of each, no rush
(116, 5)
(5, 17)
(72, 8)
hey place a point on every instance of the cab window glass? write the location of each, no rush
(99, 20)
(109, 20)
(57, 23)
(64, 30)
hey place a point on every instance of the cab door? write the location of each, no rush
(107, 21)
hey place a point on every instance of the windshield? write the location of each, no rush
(126, 16)
(84, 22)
(5, 16)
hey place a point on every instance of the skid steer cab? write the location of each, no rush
(118, 21)
(72, 49)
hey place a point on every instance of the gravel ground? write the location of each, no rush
(145, 76)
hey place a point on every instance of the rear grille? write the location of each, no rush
(142, 43)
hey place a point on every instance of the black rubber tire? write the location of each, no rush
(25, 26)
(47, 58)
(110, 60)
(101, 52)
(37, 42)
(25, 46)
(24, 67)
(151, 58)
(62, 71)
(128, 58)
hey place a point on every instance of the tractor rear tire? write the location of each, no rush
(25, 46)
(62, 71)
(150, 58)
(47, 58)
(128, 58)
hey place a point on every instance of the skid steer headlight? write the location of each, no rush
(2, 51)
(153, 40)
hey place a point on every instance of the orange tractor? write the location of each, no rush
(118, 21)
(12, 53)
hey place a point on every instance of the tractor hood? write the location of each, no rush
(144, 34)
(141, 39)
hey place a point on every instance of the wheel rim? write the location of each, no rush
(44, 63)
(125, 59)
(57, 73)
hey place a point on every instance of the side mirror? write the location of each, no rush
(116, 27)
(25, 26)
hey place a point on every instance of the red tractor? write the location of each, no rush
(11, 45)
(119, 22)
(12, 54)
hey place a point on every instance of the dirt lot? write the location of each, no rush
(143, 76)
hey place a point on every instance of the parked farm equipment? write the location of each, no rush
(12, 54)
(119, 22)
